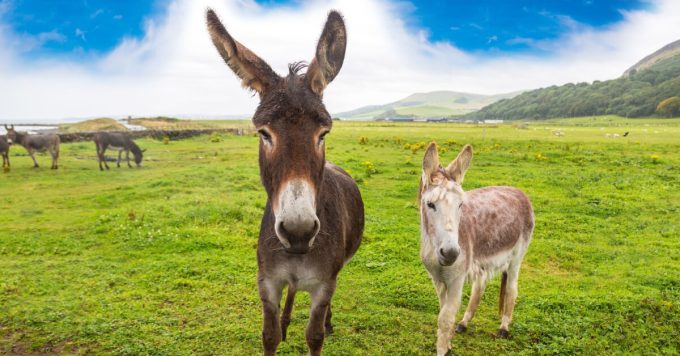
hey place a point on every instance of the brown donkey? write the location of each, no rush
(472, 234)
(4, 151)
(314, 217)
(33, 143)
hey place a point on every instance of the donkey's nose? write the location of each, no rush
(299, 233)
(448, 255)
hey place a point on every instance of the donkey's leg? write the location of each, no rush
(447, 313)
(328, 326)
(99, 156)
(321, 300)
(509, 300)
(32, 154)
(119, 156)
(270, 295)
(285, 317)
(127, 156)
(102, 151)
(55, 157)
(478, 286)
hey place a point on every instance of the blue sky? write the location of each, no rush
(92, 58)
(96, 26)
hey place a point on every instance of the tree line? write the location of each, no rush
(649, 92)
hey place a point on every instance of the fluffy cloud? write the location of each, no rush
(175, 70)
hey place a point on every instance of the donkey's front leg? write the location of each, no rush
(450, 302)
(321, 300)
(35, 162)
(119, 155)
(127, 156)
(270, 295)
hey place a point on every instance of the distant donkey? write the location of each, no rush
(120, 142)
(33, 143)
(314, 216)
(470, 234)
(4, 151)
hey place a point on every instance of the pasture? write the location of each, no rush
(161, 259)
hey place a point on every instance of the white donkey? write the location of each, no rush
(470, 234)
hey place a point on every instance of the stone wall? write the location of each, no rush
(156, 134)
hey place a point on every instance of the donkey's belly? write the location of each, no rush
(490, 265)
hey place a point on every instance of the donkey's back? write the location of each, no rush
(495, 221)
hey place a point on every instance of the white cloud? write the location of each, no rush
(174, 68)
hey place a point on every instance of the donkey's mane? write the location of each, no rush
(296, 68)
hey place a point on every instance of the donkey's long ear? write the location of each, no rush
(430, 161)
(330, 53)
(255, 73)
(460, 165)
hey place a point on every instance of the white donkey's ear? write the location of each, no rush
(255, 73)
(430, 161)
(460, 165)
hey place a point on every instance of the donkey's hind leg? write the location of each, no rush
(509, 281)
(119, 155)
(328, 325)
(478, 286)
(287, 310)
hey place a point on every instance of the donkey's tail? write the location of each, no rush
(501, 301)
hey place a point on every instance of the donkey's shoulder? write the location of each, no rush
(336, 171)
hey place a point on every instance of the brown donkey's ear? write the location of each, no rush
(255, 73)
(430, 162)
(460, 165)
(330, 53)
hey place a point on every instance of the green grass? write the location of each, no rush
(161, 259)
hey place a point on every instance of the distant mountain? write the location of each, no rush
(432, 104)
(636, 94)
(668, 51)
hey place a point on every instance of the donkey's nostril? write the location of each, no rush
(448, 255)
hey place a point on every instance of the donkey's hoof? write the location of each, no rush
(503, 334)
(461, 328)
(329, 330)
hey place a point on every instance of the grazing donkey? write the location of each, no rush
(120, 142)
(470, 234)
(4, 151)
(33, 143)
(314, 216)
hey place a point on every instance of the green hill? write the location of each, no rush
(431, 104)
(636, 94)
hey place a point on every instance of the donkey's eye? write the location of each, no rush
(322, 137)
(431, 206)
(265, 136)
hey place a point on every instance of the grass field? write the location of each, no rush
(161, 260)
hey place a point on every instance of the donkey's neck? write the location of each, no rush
(21, 138)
